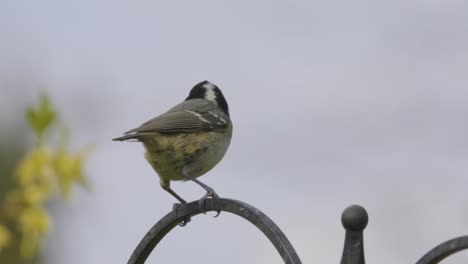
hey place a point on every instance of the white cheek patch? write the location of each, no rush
(209, 92)
(198, 115)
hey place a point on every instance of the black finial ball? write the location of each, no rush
(354, 218)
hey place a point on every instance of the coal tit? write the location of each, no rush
(188, 140)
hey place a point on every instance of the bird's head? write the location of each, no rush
(208, 91)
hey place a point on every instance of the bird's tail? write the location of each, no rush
(136, 137)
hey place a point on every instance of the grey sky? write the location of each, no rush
(333, 103)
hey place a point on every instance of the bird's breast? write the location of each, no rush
(194, 154)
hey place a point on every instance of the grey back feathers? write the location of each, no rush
(190, 116)
(199, 112)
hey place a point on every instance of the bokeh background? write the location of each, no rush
(334, 103)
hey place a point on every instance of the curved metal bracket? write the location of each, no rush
(444, 250)
(354, 219)
(246, 211)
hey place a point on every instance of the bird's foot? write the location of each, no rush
(210, 194)
(185, 220)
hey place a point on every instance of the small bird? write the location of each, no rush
(188, 140)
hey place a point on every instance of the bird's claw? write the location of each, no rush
(185, 220)
(210, 194)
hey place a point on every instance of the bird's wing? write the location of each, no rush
(183, 121)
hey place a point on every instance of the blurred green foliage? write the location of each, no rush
(40, 174)
(42, 117)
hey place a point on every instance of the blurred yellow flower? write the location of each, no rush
(29, 245)
(34, 167)
(39, 175)
(68, 168)
(35, 194)
(5, 237)
(33, 223)
(34, 220)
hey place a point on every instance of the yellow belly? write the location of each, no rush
(192, 154)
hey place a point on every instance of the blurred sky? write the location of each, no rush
(333, 103)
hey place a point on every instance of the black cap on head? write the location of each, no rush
(211, 92)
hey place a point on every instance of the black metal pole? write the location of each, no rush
(354, 220)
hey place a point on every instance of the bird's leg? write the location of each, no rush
(167, 187)
(169, 190)
(210, 193)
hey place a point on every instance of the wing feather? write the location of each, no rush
(181, 121)
(182, 118)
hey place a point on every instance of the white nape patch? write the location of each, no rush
(199, 116)
(209, 92)
(218, 117)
